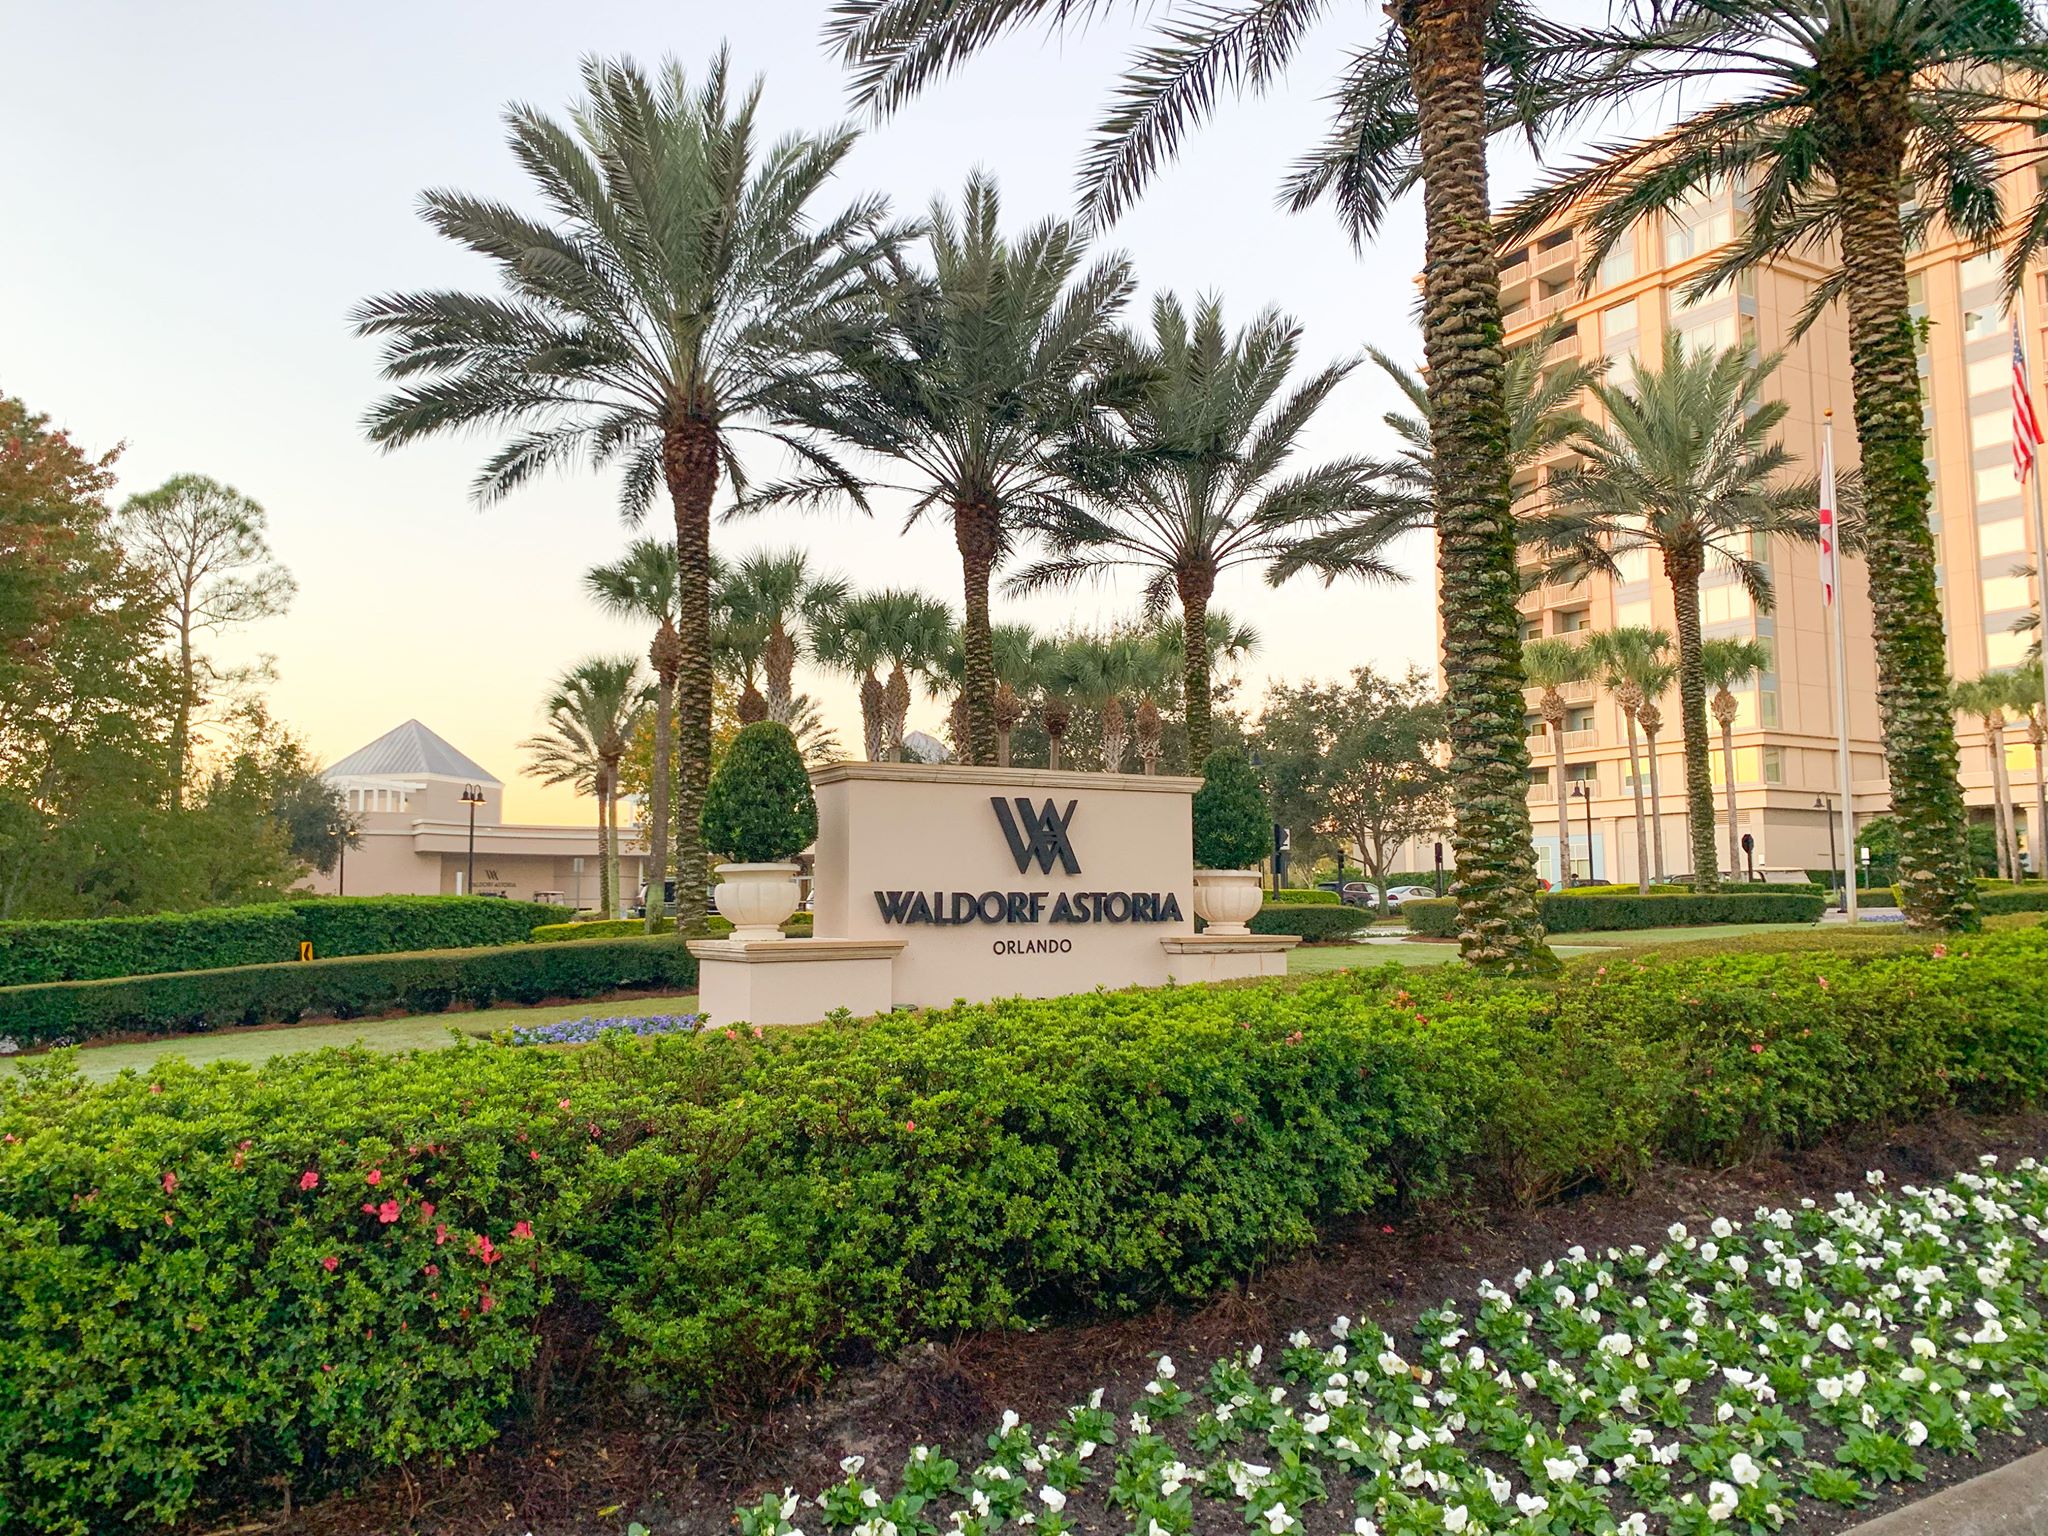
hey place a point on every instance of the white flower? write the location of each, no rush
(1456, 1518)
(789, 1502)
(851, 1465)
(1277, 1519)
(870, 1499)
(1637, 1524)
(1721, 1227)
(1838, 1336)
(1744, 1470)
(1560, 1469)
(1341, 1328)
(1531, 1504)
(1924, 1347)
(1165, 1368)
(1298, 1339)
(1052, 1498)
(1916, 1433)
(1364, 1527)
(1721, 1501)
(1010, 1420)
(1618, 1344)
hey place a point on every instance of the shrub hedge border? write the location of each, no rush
(1573, 912)
(1311, 924)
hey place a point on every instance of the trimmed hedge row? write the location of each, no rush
(89, 949)
(215, 1279)
(626, 927)
(1312, 924)
(184, 1001)
(1289, 897)
(1579, 912)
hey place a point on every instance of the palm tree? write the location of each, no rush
(1683, 466)
(975, 377)
(1655, 682)
(1552, 664)
(1199, 481)
(1099, 672)
(592, 714)
(2031, 700)
(1725, 665)
(677, 300)
(1860, 125)
(903, 630)
(1419, 103)
(1543, 412)
(1988, 697)
(642, 584)
(1630, 664)
(784, 599)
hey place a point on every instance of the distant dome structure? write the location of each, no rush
(921, 748)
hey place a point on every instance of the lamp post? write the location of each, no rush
(472, 796)
(1582, 791)
(1824, 804)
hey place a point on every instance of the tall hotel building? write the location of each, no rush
(1786, 764)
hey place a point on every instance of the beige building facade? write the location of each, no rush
(408, 787)
(1786, 760)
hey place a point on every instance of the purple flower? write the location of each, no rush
(583, 1031)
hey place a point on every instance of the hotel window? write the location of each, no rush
(1619, 264)
(1532, 629)
(1988, 374)
(1533, 725)
(1632, 615)
(2007, 592)
(1619, 329)
(2005, 647)
(1979, 270)
(1996, 483)
(1699, 225)
(2007, 536)
(1580, 719)
(1539, 780)
(1722, 604)
(1767, 700)
(1583, 773)
(1982, 322)
(1571, 620)
(1774, 765)
(1632, 566)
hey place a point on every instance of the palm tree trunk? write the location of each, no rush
(1935, 886)
(1692, 723)
(871, 722)
(605, 906)
(2001, 787)
(1195, 587)
(779, 661)
(895, 713)
(1656, 810)
(1728, 773)
(1635, 781)
(2037, 832)
(1564, 816)
(1499, 922)
(611, 853)
(657, 801)
(690, 463)
(975, 532)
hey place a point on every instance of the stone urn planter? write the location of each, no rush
(756, 899)
(1227, 899)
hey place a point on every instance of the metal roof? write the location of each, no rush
(410, 749)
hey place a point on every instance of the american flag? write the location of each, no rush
(2026, 426)
(1829, 562)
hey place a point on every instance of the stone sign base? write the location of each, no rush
(793, 981)
(1226, 957)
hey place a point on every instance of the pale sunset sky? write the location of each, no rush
(201, 193)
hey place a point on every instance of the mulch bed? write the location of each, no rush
(606, 1462)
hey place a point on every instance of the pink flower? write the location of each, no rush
(1823, 982)
(1940, 951)
(522, 1230)
(563, 1105)
(369, 1208)
(432, 1270)
(388, 1212)
(1756, 1048)
(330, 1263)
(374, 1177)
(440, 1233)
(487, 1303)
(910, 1125)
(170, 1182)
(485, 1249)
(426, 1210)
(309, 1179)
(169, 1219)
(156, 1087)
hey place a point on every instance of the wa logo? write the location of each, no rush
(1038, 833)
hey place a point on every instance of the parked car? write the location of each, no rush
(1399, 893)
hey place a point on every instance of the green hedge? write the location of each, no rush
(1578, 912)
(90, 949)
(1291, 898)
(353, 987)
(626, 927)
(215, 1279)
(1312, 924)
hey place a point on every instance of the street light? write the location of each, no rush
(1824, 804)
(472, 796)
(1584, 791)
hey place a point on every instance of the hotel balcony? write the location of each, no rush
(1581, 741)
(1542, 794)
(1563, 350)
(1577, 693)
(1550, 259)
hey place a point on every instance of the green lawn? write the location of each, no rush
(432, 1029)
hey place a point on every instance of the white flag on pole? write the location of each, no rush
(1830, 558)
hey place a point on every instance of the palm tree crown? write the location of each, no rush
(678, 295)
(780, 597)
(1632, 664)
(592, 713)
(1726, 664)
(645, 584)
(1199, 476)
(1552, 665)
(1684, 466)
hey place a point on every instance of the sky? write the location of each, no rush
(202, 193)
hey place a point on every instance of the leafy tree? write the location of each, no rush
(1200, 477)
(203, 549)
(1416, 104)
(1233, 829)
(680, 300)
(645, 583)
(1725, 665)
(974, 377)
(1860, 127)
(906, 631)
(1367, 755)
(1551, 664)
(1632, 664)
(1683, 467)
(760, 809)
(592, 713)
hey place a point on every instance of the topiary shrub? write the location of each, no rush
(1312, 923)
(1232, 828)
(760, 809)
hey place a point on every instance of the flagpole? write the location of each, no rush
(1841, 676)
(2037, 837)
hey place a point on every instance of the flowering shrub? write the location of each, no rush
(583, 1031)
(213, 1278)
(1712, 1384)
